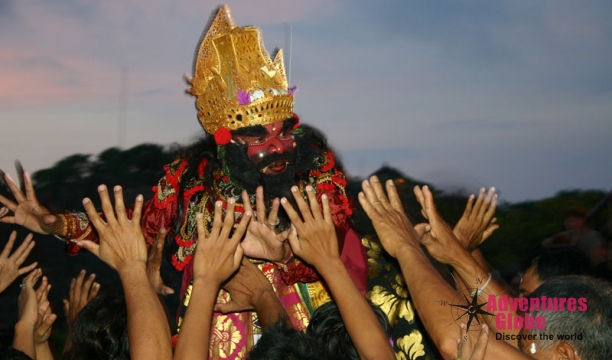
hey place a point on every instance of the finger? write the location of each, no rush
(481, 346)
(119, 205)
(301, 203)
(95, 288)
(422, 228)
(466, 345)
(491, 209)
(479, 201)
(380, 193)
(167, 290)
(3, 211)
(9, 245)
(371, 196)
(418, 193)
(93, 216)
(291, 213)
(246, 201)
(28, 268)
(22, 252)
(46, 324)
(294, 241)
(84, 293)
(10, 205)
(394, 198)
(229, 220)
(326, 209)
(137, 213)
(29, 189)
(488, 232)
(40, 292)
(430, 206)
(314, 204)
(468, 207)
(90, 246)
(20, 174)
(238, 256)
(273, 216)
(486, 202)
(367, 206)
(242, 226)
(78, 286)
(66, 306)
(107, 206)
(215, 350)
(17, 193)
(72, 291)
(155, 255)
(230, 307)
(260, 204)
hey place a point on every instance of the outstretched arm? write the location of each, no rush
(122, 247)
(314, 240)
(217, 257)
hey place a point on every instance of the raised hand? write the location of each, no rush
(218, 256)
(477, 222)
(46, 317)
(154, 264)
(313, 238)
(27, 211)
(466, 350)
(439, 239)
(81, 292)
(245, 286)
(23, 339)
(9, 265)
(261, 240)
(121, 240)
(388, 217)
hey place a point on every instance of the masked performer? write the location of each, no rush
(253, 139)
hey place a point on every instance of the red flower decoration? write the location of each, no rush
(223, 136)
(297, 122)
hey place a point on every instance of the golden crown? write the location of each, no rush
(235, 81)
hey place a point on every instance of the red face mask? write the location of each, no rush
(271, 152)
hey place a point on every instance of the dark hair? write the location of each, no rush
(100, 329)
(279, 342)
(9, 353)
(561, 261)
(327, 326)
(595, 323)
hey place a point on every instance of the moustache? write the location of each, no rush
(272, 158)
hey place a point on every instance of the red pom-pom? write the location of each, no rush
(297, 121)
(223, 136)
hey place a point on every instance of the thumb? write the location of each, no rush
(167, 290)
(293, 238)
(49, 219)
(91, 246)
(230, 307)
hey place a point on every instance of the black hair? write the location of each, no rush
(593, 323)
(327, 326)
(560, 261)
(100, 329)
(279, 342)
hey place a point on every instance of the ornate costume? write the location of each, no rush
(239, 87)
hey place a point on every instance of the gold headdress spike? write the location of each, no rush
(235, 81)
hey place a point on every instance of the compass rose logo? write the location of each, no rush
(470, 310)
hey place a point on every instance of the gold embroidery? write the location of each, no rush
(318, 294)
(187, 295)
(228, 335)
(410, 345)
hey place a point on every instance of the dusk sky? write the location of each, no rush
(461, 94)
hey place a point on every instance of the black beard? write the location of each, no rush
(244, 173)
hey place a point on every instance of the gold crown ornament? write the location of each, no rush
(235, 81)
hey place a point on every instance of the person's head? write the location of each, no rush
(553, 263)
(327, 326)
(100, 329)
(575, 219)
(279, 342)
(584, 333)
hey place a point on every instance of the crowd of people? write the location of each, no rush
(256, 220)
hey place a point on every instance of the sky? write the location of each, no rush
(461, 94)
